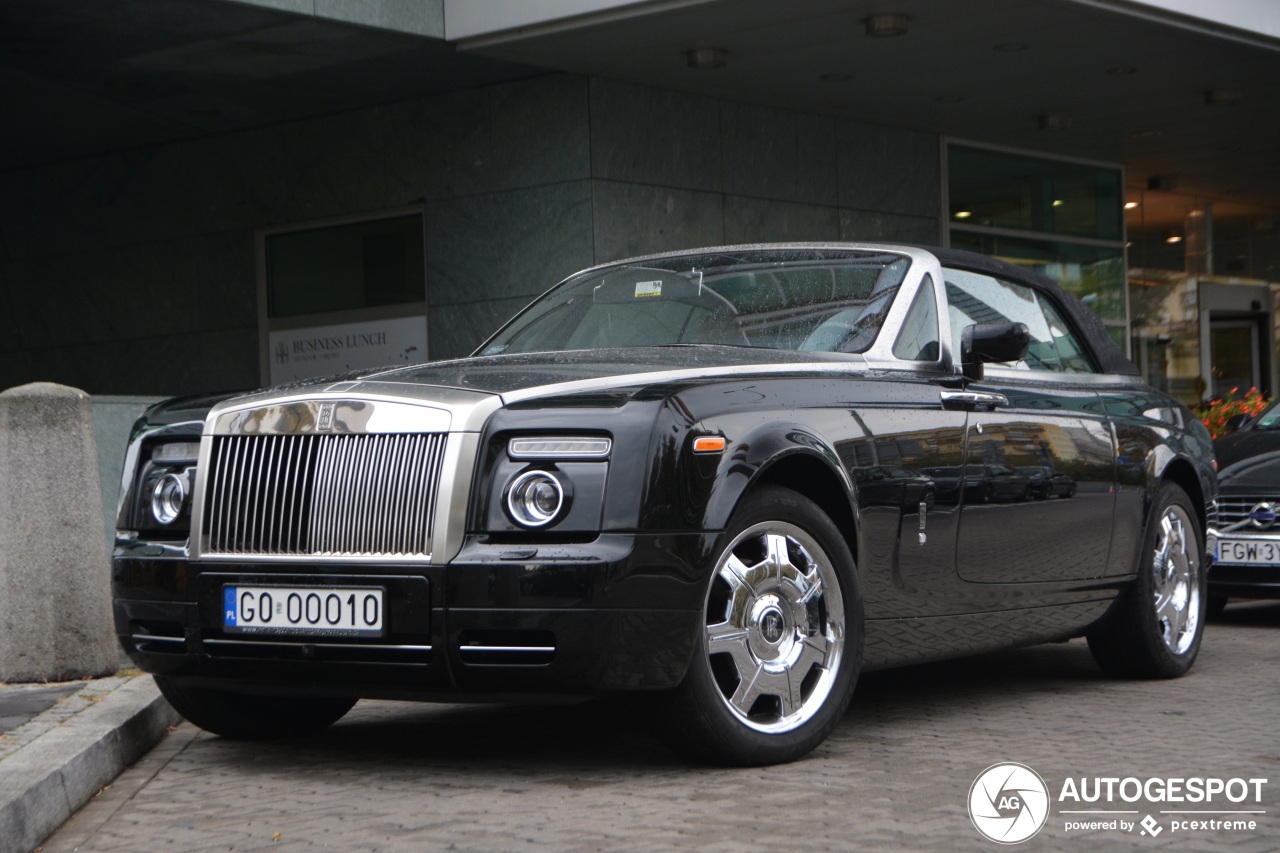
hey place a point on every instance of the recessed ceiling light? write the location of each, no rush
(1057, 202)
(963, 214)
(1130, 205)
(708, 57)
(887, 26)
(1173, 238)
(1011, 47)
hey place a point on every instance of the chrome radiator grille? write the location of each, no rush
(1233, 510)
(322, 495)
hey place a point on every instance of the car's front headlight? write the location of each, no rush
(162, 491)
(549, 483)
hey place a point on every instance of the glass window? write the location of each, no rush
(977, 298)
(812, 300)
(997, 189)
(345, 267)
(918, 340)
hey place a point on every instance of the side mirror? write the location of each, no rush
(981, 343)
(1234, 423)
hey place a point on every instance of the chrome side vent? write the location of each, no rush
(347, 495)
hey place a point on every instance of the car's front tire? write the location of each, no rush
(246, 716)
(1154, 630)
(780, 642)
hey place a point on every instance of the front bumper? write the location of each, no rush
(619, 613)
(1231, 579)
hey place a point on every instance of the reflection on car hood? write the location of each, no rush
(504, 374)
(1249, 460)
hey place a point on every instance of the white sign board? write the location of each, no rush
(321, 350)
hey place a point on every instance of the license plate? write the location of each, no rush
(1249, 552)
(344, 612)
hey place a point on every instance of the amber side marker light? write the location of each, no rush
(709, 444)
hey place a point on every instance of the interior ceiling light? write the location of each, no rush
(1054, 121)
(1222, 97)
(887, 26)
(708, 57)
(963, 214)
(1130, 205)
(1173, 238)
(1057, 202)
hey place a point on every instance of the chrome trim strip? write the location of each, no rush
(838, 364)
(973, 398)
(537, 649)
(147, 638)
(361, 646)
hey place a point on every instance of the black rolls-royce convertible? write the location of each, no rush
(650, 480)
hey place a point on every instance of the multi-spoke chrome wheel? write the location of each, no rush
(777, 650)
(1175, 572)
(1154, 629)
(775, 626)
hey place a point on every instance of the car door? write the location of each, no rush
(1044, 411)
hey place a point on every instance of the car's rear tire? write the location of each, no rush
(1154, 630)
(780, 642)
(247, 716)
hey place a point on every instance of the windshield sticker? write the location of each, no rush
(648, 288)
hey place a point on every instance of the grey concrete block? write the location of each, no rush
(56, 620)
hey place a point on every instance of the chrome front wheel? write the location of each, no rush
(779, 641)
(775, 628)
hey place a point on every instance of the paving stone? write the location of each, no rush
(895, 775)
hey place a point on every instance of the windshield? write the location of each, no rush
(810, 300)
(1270, 417)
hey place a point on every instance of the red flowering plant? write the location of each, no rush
(1215, 413)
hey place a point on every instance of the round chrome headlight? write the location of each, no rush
(535, 498)
(168, 498)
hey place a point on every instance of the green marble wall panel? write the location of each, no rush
(859, 226)
(643, 135)
(778, 154)
(753, 220)
(496, 138)
(889, 170)
(455, 331)
(638, 219)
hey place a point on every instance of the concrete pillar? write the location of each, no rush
(55, 594)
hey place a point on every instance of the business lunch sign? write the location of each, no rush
(314, 351)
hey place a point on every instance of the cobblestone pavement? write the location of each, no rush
(895, 775)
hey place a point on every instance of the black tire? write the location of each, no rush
(763, 617)
(246, 716)
(1154, 630)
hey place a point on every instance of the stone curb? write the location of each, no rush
(46, 781)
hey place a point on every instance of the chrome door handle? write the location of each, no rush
(973, 400)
